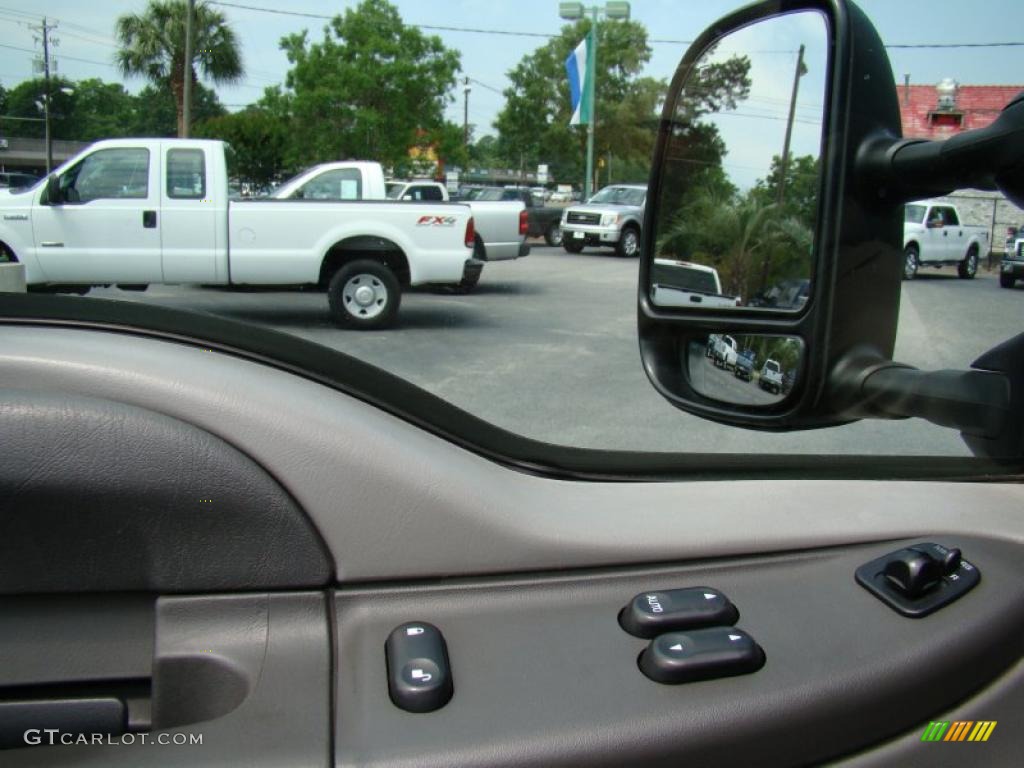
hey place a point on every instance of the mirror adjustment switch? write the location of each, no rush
(918, 580)
(419, 676)
(650, 614)
(703, 654)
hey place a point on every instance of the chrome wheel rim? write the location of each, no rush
(365, 296)
(630, 243)
(556, 235)
(910, 267)
(972, 263)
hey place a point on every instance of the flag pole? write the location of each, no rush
(588, 188)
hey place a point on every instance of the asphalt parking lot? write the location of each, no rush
(546, 346)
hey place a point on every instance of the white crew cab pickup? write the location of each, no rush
(140, 211)
(934, 236)
(500, 226)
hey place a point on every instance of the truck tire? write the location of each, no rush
(572, 245)
(1007, 281)
(364, 295)
(553, 235)
(911, 262)
(629, 243)
(968, 268)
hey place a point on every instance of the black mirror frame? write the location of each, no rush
(856, 273)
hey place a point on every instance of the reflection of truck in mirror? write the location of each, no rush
(724, 355)
(933, 236)
(684, 284)
(771, 377)
(745, 362)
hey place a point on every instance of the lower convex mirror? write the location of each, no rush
(744, 370)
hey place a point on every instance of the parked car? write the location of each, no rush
(725, 352)
(684, 284)
(786, 294)
(159, 212)
(613, 218)
(16, 179)
(542, 221)
(1011, 267)
(745, 363)
(933, 236)
(770, 378)
(501, 225)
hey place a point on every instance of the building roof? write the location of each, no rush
(976, 106)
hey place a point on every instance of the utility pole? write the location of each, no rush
(592, 86)
(801, 70)
(46, 29)
(465, 112)
(186, 111)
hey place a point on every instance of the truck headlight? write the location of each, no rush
(609, 218)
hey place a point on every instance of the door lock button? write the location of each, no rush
(703, 654)
(650, 614)
(419, 676)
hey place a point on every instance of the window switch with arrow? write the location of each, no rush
(702, 654)
(650, 614)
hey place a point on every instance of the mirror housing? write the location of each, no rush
(848, 324)
(54, 196)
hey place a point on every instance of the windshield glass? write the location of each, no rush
(913, 214)
(620, 196)
(524, 319)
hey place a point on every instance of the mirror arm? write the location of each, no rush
(985, 403)
(901, 170)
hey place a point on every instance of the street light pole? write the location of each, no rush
(46, 96)
(465, 113)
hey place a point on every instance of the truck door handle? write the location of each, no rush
(149, 219)
(945, 234)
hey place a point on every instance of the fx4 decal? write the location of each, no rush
(436, 221)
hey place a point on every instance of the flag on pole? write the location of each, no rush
(580, 91)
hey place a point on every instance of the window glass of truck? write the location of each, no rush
(108, 173)
(186, 174)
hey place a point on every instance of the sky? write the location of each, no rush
(86, 47)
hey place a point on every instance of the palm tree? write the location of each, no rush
(153, 45)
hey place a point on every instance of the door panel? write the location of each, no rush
(190, 210)
(100, 234)
(534, 573)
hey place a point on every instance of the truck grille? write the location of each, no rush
(583, 218)
(1020, 250)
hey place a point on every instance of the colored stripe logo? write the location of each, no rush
(959, 730)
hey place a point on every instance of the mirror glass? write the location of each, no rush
(744, 370)
(737, 206)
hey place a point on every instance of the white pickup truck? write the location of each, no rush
(677, 283)
(140, 211)
(933, 236)
(500, 226)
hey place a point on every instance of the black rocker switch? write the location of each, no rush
(913, 572)
(419, 676)
(919, 579)
(650, 614)
(703, 654)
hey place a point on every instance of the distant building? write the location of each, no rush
(938, 112)
(944, 110)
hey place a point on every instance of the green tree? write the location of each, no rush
(534, 125)
(483, 153)
(152, 44)
(800, 196)
(258, 138)
(372, 87)
(26, 100)
(155, 113)
(101, 111)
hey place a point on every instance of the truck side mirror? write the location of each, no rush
(54, 196)
(796, 253)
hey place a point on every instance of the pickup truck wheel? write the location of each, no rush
(553, 236)
(968, 268)
(363, 295)
(573, 245)
(629, 243)
(1007, 281)
(910, 263)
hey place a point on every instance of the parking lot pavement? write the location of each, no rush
(546, 346)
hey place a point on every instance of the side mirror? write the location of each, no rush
(54, 196)
(774, 233)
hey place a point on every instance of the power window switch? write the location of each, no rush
(650, 614)
(703, 654)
